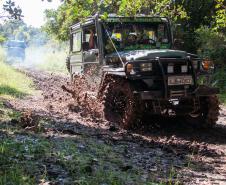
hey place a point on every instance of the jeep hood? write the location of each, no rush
(150, 54)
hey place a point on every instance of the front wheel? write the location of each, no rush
(120, 103)
(208, 114)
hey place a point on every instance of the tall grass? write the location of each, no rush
(54, 61)
(49, 57)
(13, 83)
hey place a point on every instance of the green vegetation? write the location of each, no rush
(18, 30)
(190, 13)
(25, 158)
(52, 56)
(13, 84)
(212, 45)
(223, 98)
(58, 21)
(54, 62)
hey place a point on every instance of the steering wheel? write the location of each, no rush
(147, 41)
(151, 41)
(132, 38)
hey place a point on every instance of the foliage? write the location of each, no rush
(212, 44)
(58, 21)
(11, 10)
(220, 17)
(26, 159)
(2, 39)
(50, 57)
(219, 79)
(18, 30)
(223, 98)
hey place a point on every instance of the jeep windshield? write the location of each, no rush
(132, 35)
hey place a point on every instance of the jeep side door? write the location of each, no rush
(76, 65)
(90, 48)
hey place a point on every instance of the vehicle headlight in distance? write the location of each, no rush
(146, 67)
(170, 68)
(184, 68)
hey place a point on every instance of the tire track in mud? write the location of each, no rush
(197, 156)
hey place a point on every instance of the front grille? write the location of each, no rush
(156, 69)
(177, 65)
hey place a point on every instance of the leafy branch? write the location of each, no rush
(11, 11)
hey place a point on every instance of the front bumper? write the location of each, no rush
(198, 92)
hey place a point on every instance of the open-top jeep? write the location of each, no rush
(140, 71)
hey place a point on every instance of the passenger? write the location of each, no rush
(92, 40)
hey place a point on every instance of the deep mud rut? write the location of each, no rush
(197, 156)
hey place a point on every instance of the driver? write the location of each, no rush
(132, 39)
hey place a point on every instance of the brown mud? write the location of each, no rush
(198, 156)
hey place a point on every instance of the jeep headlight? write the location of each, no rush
(184, 68)
(170, 68)
(146, 67)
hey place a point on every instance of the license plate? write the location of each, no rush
(180, 80)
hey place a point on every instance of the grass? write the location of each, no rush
(7, 114)
(223, 98)
(49, 58)
(16, 166)
(54, 62)
(26, 158)
(13, 84)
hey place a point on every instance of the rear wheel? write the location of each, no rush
(208, 114)
(120, 103)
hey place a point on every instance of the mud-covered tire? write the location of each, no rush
(209, 113)
(120, 103)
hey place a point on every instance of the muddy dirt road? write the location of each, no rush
(194, 156)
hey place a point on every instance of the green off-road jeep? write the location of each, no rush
(141, 74)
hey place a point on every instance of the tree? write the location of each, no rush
(18, 30)
(71, 11)
(11, 11)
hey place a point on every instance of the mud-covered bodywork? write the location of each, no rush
(139, 69)
(162, 73)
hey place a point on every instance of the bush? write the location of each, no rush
(212, 45)
(2, 54)
(49, 57)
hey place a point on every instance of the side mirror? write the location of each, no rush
(85, 46)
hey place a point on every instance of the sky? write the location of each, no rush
(33, 10)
